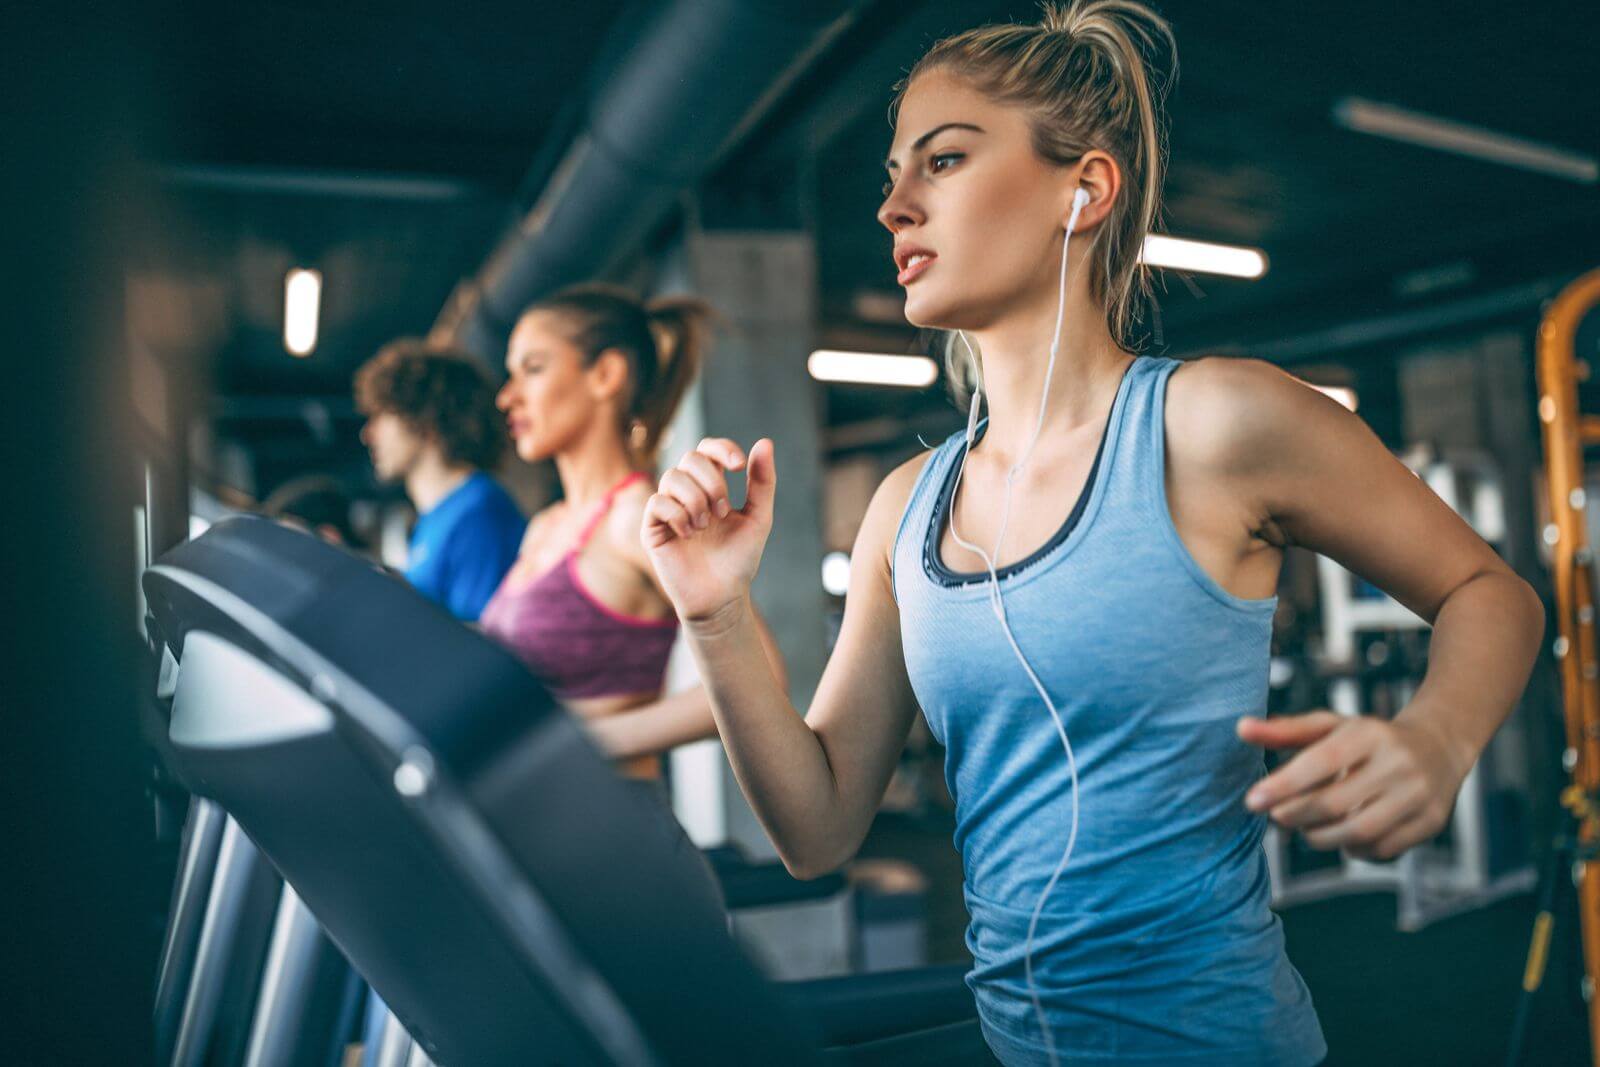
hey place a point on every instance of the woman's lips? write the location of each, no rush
(915, 269)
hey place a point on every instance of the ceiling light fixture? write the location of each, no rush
(1203, 257)
(870, 368)
(1446, 135)
(302, 295)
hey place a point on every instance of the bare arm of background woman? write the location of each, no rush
(662, 725)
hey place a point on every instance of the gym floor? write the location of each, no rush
(1442, 995)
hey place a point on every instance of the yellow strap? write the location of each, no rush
(1538, 950)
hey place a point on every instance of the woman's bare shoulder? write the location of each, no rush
(542, 523)
(888, 504)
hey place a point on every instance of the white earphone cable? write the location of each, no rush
(997, 601)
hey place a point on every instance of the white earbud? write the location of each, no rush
(1080, 199)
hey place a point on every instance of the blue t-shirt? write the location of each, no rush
(463, 546)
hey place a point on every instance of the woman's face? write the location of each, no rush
(976, 215)
(549, 398)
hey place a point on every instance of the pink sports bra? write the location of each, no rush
(575, 644)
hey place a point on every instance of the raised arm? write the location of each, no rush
(814, 782)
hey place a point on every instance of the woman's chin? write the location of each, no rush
(926, 311)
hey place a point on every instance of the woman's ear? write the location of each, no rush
(608, 374)
(1099, 176)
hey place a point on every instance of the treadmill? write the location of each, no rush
(459, 839)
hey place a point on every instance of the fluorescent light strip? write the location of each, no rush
(1428, 131)
(869, 368)
(302, 293)
(1203, 257)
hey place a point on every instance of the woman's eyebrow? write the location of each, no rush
(917, 145)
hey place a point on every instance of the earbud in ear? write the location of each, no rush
(1080, 199)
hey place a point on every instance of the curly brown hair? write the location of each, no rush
(443, 394)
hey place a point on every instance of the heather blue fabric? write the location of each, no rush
(1157, 945)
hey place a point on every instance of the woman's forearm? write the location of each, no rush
(779, 762)
(1485, 640)
(656, 728)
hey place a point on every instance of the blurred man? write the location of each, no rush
(432, 425)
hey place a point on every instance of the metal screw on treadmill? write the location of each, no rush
(1587, 985)
(1577, 873)
(1581, 556)
(1552, 535)
(1577, 498)
(1569, 760)
(1560, 647)
(414, 776)
(1586, 614)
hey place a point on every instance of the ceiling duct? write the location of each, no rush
(698, 77)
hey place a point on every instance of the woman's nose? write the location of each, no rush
(898, 212)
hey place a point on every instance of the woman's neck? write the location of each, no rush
(1016, 357)
(592, 466)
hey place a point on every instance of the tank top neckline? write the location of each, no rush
(1069, 532)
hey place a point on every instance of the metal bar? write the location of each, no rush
(1563, 431)
(356, 185)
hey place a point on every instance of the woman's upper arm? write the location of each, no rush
(864, 707)
(1320, 474)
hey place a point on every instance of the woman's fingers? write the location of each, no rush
(665, 518)
(1413, 831)
(1333, 801)
(723, 451)
(697, 486)
(1364, 827)
(1289, 731)
(1348, 744)
(689, 494)
(707, 473)
(762, 483)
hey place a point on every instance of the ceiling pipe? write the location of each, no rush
(698, 78)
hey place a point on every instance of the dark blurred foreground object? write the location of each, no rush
(81, 935)
(456, 833)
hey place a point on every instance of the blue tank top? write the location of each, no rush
(1157, 944)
